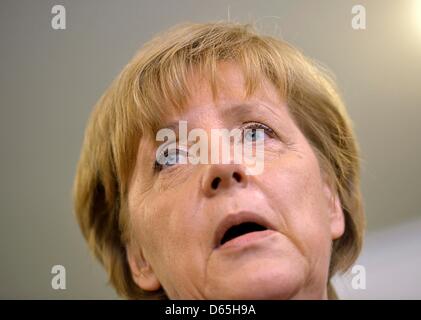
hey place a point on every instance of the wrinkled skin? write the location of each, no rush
(175, 213)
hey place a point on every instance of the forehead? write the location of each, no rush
(231, 99)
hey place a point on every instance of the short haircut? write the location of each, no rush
(155, 82)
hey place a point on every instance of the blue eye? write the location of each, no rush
(254, 135)
(170, 157)
(256, 132)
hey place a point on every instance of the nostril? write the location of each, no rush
(215, 182)
(236, 176)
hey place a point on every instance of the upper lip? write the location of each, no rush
(236, 219)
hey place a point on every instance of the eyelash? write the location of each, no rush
(258, 125)
(157, 167)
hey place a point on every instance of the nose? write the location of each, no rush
(221, 177)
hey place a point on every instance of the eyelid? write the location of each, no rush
(258, 125)
(157, 166)
(246, 125)
(168, 145)
(176, 151)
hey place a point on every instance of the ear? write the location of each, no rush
(335, 211)
(142, 272)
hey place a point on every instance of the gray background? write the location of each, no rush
(50, 79)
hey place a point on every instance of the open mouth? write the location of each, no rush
(240, 230)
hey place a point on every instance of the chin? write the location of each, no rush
(263, 280)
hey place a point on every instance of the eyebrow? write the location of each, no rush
(238, 111)
(233, 113)
(245, 110)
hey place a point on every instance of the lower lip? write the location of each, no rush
(247, 239)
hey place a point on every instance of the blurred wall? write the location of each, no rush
(50, 79)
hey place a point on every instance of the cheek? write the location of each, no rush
(146, 226)
(171, 238)
(164, 223)
(294, 187)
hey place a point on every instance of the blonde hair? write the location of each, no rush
(156, 80)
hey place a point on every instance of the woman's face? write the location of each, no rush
(182, 214)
